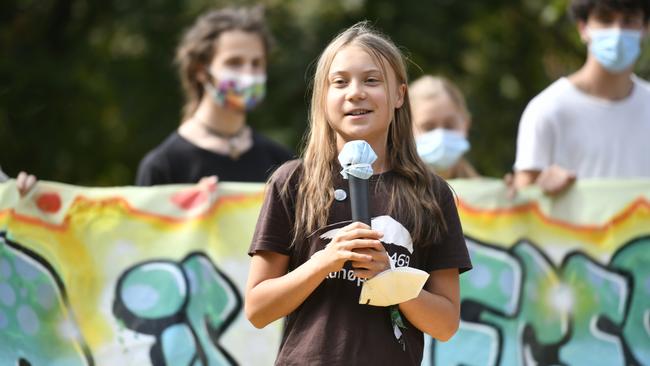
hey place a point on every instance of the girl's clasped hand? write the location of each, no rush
(360, 245)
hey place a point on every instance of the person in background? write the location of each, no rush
(595, 123)
(222, 66)
(441, 124)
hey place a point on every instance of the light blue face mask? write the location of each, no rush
(441, 148)
(615, 49)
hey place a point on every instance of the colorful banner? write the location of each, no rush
(562, 281)
(155, 276)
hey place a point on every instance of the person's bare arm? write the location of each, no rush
(272, 293)
(436, 310)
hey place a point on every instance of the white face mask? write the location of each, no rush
(441, 148)
(615, 49)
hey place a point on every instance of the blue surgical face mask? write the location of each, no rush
(615, 49)
(441, 148)
(238, 91)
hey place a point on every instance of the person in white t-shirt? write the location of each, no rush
(594, 123)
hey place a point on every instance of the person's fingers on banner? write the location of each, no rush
(511, 189)
(25, 182)
(555, 180)
(209, 182)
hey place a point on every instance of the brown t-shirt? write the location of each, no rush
(331, 327)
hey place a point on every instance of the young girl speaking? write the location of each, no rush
(309, 262)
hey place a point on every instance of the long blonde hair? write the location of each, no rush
(428, 87)
(412, 197)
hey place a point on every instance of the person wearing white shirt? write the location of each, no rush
(594, 123)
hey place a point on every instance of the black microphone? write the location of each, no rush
(359, 199)
(356, 158)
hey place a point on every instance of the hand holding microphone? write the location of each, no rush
(383, 280)
(356, 158)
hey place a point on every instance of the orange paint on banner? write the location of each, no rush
(84, 203)
(638, 205)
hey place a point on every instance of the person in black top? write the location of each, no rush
(222, 66)
(309, 259)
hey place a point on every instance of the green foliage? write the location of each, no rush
(86, 88)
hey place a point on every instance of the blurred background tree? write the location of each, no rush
(87, 87)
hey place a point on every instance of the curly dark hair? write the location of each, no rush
(197, 47)
(581, 9)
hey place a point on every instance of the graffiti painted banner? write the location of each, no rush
(155, 276)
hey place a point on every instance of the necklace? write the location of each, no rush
(218, 134)
(233, 145)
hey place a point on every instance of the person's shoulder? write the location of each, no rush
(464, 170)
(278, 153)
(171, 145)
(161, 157)
(291, 169)
(556, 91)
(286, 178)
(269, 144)
(440, 187)
(549, 101)
(644, 85)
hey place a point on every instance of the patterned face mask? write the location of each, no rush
(238, 91)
